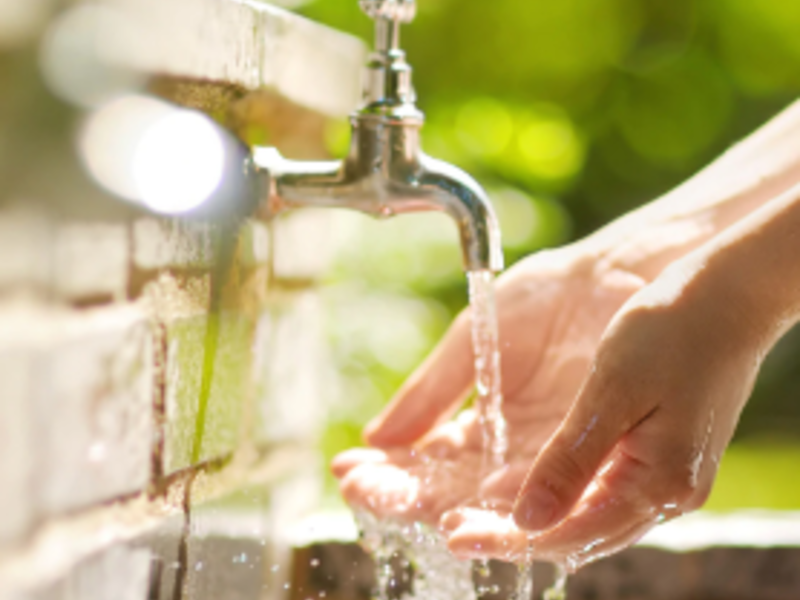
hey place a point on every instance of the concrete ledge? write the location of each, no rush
(738, 556)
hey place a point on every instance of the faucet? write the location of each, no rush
(385, 172)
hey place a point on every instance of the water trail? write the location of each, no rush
(438, 575)
(524, 590)
(558, 591)
(485, 341)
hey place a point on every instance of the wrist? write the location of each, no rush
(747, 280)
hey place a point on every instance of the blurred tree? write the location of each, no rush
(574, 112)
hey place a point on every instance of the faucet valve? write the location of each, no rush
(388, 91)
(402, 11)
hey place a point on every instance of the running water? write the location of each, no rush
(485, 342)
(558, 591)
(438, 575)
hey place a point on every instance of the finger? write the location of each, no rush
(452, 520)
(445, 442)
(505, 482)
(422, 491)
(570, 460)
(480, 534)
(628, 498)
(384, 489)
(345, 461)
(616, 510)
(431, 394)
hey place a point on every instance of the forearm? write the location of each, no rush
(749, 276)
(738, 183)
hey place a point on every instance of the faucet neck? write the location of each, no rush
(388, 90)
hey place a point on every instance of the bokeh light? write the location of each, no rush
(86, 55)
(178, 163)
(145, 150)
(571, 113)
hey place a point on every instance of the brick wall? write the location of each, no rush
(162, 383)
(146, 374)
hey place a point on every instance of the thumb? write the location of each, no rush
(570, 460)
(431, 394)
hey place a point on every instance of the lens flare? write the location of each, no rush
(179, 162)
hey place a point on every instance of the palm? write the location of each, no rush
(552, 313)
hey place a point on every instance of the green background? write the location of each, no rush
(571, 112)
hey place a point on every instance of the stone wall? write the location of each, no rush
(145, 361)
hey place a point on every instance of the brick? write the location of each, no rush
(91, 260)
(74, 261)
(77, 402)
(181, 306)
(254, 244)
(161, 243)
(120, 572)
(187, 344)
(93, 403)
(247, 44)
(291, 368)
(25, 245)
(303, 244)
(17, 376)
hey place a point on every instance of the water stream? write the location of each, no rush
(488, 384)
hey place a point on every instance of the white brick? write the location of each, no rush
(16, 390)
(25, 245)
(75, 260)
(118, 573)
(91, 259)
(254, 243)
(181, 305)
(94, 406)
(187, 344)
(291, 369)
(159, 243)
(304, 245)
(250, 44)
(88, 401)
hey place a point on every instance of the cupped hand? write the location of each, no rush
(552, 308)
(642, 442)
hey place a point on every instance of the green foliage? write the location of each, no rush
(571, 113)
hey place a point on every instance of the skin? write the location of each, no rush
(627, 359)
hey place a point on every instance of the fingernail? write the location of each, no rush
(536, 509)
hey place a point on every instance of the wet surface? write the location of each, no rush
(228, 550)
(219, 551)
(344, 571)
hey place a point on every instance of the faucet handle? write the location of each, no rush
(399, 11)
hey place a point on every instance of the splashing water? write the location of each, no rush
(438, 575)
(485, 341)
(558, 591)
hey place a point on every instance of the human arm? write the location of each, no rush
(639, 246)
(670, 377)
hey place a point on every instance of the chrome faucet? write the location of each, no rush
(385, 172)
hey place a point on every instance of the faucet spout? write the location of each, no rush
(461, 197)
(385, 172)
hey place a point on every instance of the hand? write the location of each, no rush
(643, 440)
(553, 309)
